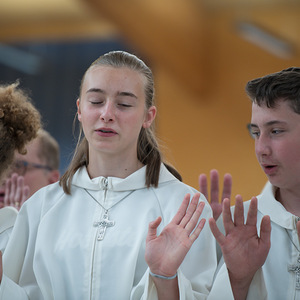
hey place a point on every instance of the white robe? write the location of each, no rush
(53, 252)
(273, 281)
(8, 215)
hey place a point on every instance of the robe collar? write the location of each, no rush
(268, 205)
(134, 181)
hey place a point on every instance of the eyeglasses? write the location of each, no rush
(249, 129)
(22, 166)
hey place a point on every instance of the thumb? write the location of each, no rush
(152, 229)
(220, 238)
(265, 230)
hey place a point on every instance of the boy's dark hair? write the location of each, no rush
(269, 89)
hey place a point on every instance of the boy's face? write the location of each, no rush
(277, 143)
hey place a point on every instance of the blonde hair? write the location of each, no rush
(19, 123)
(148, 149)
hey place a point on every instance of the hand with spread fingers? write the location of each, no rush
(244, 251)
(16, 192)
(165, 253)
(215, 203)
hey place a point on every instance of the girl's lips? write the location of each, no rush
(105, 129)
(106, 132)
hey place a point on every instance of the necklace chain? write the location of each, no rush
(107, 209)
(292, 241)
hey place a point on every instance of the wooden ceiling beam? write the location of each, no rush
(169, 33)
(47, 30)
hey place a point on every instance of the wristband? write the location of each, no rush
(163, 277)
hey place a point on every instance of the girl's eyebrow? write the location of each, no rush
(95, 90)
(127, 94)
(100, 91)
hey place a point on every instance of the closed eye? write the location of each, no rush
(95, 102)
(124, 105)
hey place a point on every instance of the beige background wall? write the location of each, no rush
(208, 130)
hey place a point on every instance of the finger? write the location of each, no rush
(152, 229)
(190, 226)
(265, 230)
(6, 200)
(227, 217)
(195, 234)
(14, 178)
(239, 211)
(214, 186)
(19, 189)
(227, 185)
(203, 185)
(182, 210)
(190, 211)
(26, 192)
(220, 238)
(252, 212)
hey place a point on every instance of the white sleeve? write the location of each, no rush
(147, 291)
(8, 217)
(196, 273)
(221, 286)
(18, 276)
(10, 290)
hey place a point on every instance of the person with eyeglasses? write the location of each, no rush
(32, 171)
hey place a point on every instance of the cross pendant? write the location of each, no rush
(296, 268)
(102, 225)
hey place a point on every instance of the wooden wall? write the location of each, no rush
(208, 130)
(201, 65)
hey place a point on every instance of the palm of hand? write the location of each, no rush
(244, 252)
(16, 192)
(166, 252)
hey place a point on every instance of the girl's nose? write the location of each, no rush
(107, 112)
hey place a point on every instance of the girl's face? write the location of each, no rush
(112, 110)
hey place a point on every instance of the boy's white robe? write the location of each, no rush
(274, 281)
